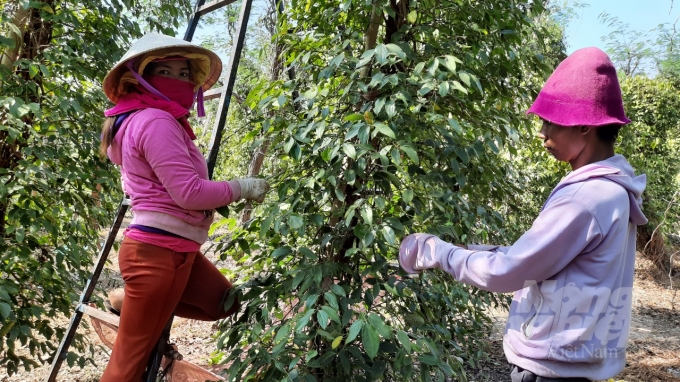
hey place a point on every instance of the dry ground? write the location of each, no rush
(654, 347)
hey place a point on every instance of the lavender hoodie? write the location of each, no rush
(572, 273)
(166, 176)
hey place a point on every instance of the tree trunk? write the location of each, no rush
(371, 37)
(19, 19)
(256, 161)
(36, 35)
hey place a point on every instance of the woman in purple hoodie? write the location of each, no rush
(154, 87)
(572, 272)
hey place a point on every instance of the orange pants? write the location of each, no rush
(158, 282)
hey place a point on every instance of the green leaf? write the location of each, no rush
(339, 194)
(384, 129)
(344, 361)
(288, 145)
(336, 342)
(332, 314)
(337, 289)
(448, 371)
(379, 103)
(316, 219)
(410, 152)
(311, 354)
(264, 227)
(444, 88)
(302, 323)
(280, 252)
(332, 300)
(354, 117)
(371, 340)
(33, 70)
(283, 333)
(377, 322)
(407, 196)
(395, 49)
(365, 58)
(322, 318)
(465, 78)
(349, 150)
(459, 87)
(71, 358)
(5, 309)
(8, 42)
(296, 152)
(367, 214)
(404, 340)
(429, 359)
(414, 319)
(450, 63)
(412, 17)
(381, 53)
(280, 101)
(391, 109)
(224, 211)
(308, 253)
(20, 232)
(311, 300)
(455, 125)
(354, 331)
(388, 232)
(295, 221)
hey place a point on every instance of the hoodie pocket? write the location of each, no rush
(528, 325)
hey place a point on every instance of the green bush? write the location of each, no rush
(379, 135)
(650, 143)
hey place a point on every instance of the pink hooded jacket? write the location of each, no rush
(166, 176)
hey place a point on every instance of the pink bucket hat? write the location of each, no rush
(582, 91)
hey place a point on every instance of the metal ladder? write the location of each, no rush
(224, 94)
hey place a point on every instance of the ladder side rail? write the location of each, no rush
(193, 22)
(77, 316)
(104, 252)
(213, 5)
(227, 90)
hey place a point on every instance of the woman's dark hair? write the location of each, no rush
(608, 133)
(107, 135)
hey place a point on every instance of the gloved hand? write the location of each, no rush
(416, 254)
(253, 189)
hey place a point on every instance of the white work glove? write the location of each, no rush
(423, 251)
(253, 189)
(415, 254)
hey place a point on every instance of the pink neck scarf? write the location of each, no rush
(176, 97)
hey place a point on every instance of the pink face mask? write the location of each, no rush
(181, 98)
(179, 91)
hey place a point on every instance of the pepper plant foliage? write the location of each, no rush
(55, 191)
(374, 140)
(651, 145)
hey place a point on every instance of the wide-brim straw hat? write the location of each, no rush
(583, 91)
(205, 65)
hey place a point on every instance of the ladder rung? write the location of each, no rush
(211, 6)
(213, 93)
(99, 314)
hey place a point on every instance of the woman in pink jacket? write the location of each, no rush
(147, 134)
